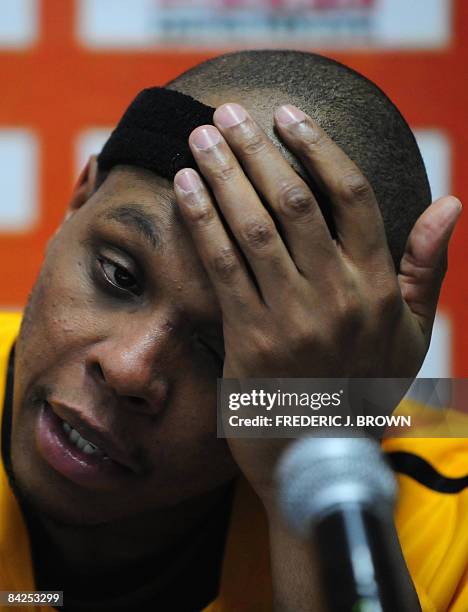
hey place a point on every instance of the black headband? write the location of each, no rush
(153, 132)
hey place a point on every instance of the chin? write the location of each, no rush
(50, 502)
(52, 497)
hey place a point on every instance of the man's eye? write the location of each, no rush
(119, 277)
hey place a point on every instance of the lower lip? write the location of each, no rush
(91, 471)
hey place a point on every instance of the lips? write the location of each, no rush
(107, 467)
(93, 432)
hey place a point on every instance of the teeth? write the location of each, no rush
(84, 445)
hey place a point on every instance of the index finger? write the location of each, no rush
(356, 214)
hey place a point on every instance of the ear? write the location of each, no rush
(85, 186)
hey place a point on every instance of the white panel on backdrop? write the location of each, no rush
(291, 23)
(18, 23)
(89, 142)
(412, 23)
(19, 180)
(435, 150)
(115, 23)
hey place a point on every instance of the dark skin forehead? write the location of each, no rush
(140, 187)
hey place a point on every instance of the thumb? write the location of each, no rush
(424, 262)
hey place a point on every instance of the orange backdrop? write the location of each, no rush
(58, 88)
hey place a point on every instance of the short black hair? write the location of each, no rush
(349, 107)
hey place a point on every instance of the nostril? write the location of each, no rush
(98, 371)
(137, 404)
(136, 401)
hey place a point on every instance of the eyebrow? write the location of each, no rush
(135, 216)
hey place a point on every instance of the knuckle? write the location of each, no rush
(298, 326)
(349, 312)
(389, 301)
(254, 144)
(313, 137)
(225, 173)
(354, 187)
(300, 338)
(202, 214)
(262, 346)
(258, 233)
(352, 314)
(295, 200)
(225, 264)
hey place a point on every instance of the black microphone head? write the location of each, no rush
(316, 476)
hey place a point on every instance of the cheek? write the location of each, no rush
(58, 318)
(188, 433)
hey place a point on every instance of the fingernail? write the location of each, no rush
(187, 180)
(456, 204)
(205, 137)
(230, 115)
(453, 209)
(287, 114)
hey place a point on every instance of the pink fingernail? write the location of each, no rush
(288, 114)
(187, 180)
(229, 115)
(205, 137)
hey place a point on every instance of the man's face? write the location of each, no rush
(121, 341)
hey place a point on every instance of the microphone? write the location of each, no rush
(340, 494)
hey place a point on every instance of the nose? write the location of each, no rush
(132, 365)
